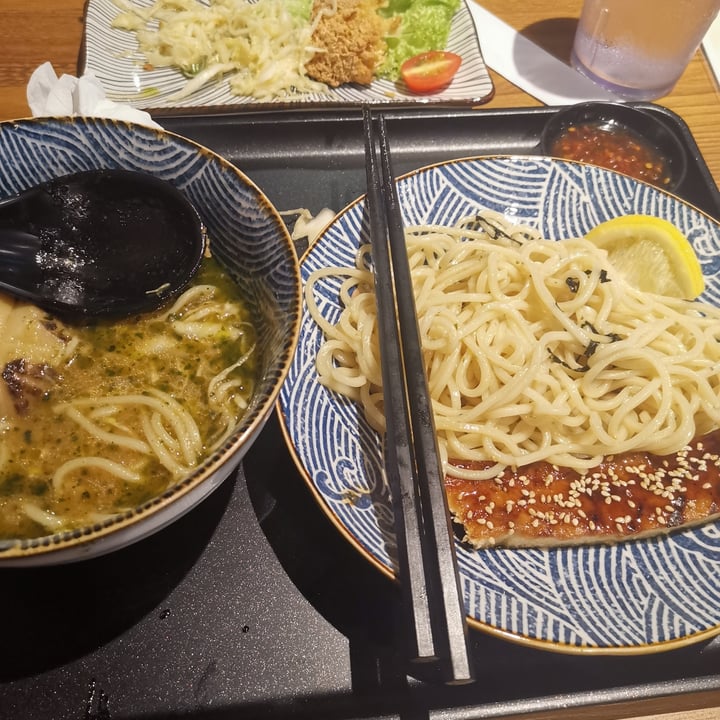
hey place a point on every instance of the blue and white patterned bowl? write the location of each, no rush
(248, 237)
(632, 597)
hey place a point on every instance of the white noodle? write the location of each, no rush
(42, 517)
(164, 455)
(130, 443)
(535, 350)
(110, 466)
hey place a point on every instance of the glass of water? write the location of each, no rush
(639, 48)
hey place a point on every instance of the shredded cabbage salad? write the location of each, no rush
(261, 47)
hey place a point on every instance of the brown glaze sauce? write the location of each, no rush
(626, 496)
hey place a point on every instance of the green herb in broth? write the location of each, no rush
(131, 407)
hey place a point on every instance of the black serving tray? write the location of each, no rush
(253, 605)
(315, 159)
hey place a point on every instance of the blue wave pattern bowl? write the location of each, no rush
(632, 597)
(247, 236)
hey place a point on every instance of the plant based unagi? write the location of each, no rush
(626, 496)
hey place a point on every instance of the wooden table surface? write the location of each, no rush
(33, 31)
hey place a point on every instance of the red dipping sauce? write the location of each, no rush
(613, 147)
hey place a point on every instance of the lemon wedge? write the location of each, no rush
(652, 254)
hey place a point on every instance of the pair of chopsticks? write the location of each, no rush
(437, 630)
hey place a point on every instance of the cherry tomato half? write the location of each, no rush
(430, 71)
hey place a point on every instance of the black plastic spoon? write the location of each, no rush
(99, 242)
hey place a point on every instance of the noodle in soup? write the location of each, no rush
(96, 419)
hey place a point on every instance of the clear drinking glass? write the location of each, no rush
(640, 48)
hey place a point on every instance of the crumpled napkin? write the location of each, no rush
(50, 96)
(711, 46)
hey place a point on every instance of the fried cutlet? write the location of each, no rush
(350, 41)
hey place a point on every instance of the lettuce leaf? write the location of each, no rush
(425, 25)
(300, 9)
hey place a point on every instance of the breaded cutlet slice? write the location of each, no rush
(350, 41)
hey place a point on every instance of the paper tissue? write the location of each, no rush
(50, 96)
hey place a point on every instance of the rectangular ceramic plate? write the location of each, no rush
(112, 55)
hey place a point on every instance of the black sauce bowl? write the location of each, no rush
(645, 126)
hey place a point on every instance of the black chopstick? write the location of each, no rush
(428, 570)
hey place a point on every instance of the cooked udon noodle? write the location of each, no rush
(97, 419)
(536, 350)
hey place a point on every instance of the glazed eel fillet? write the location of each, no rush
(627, 496)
